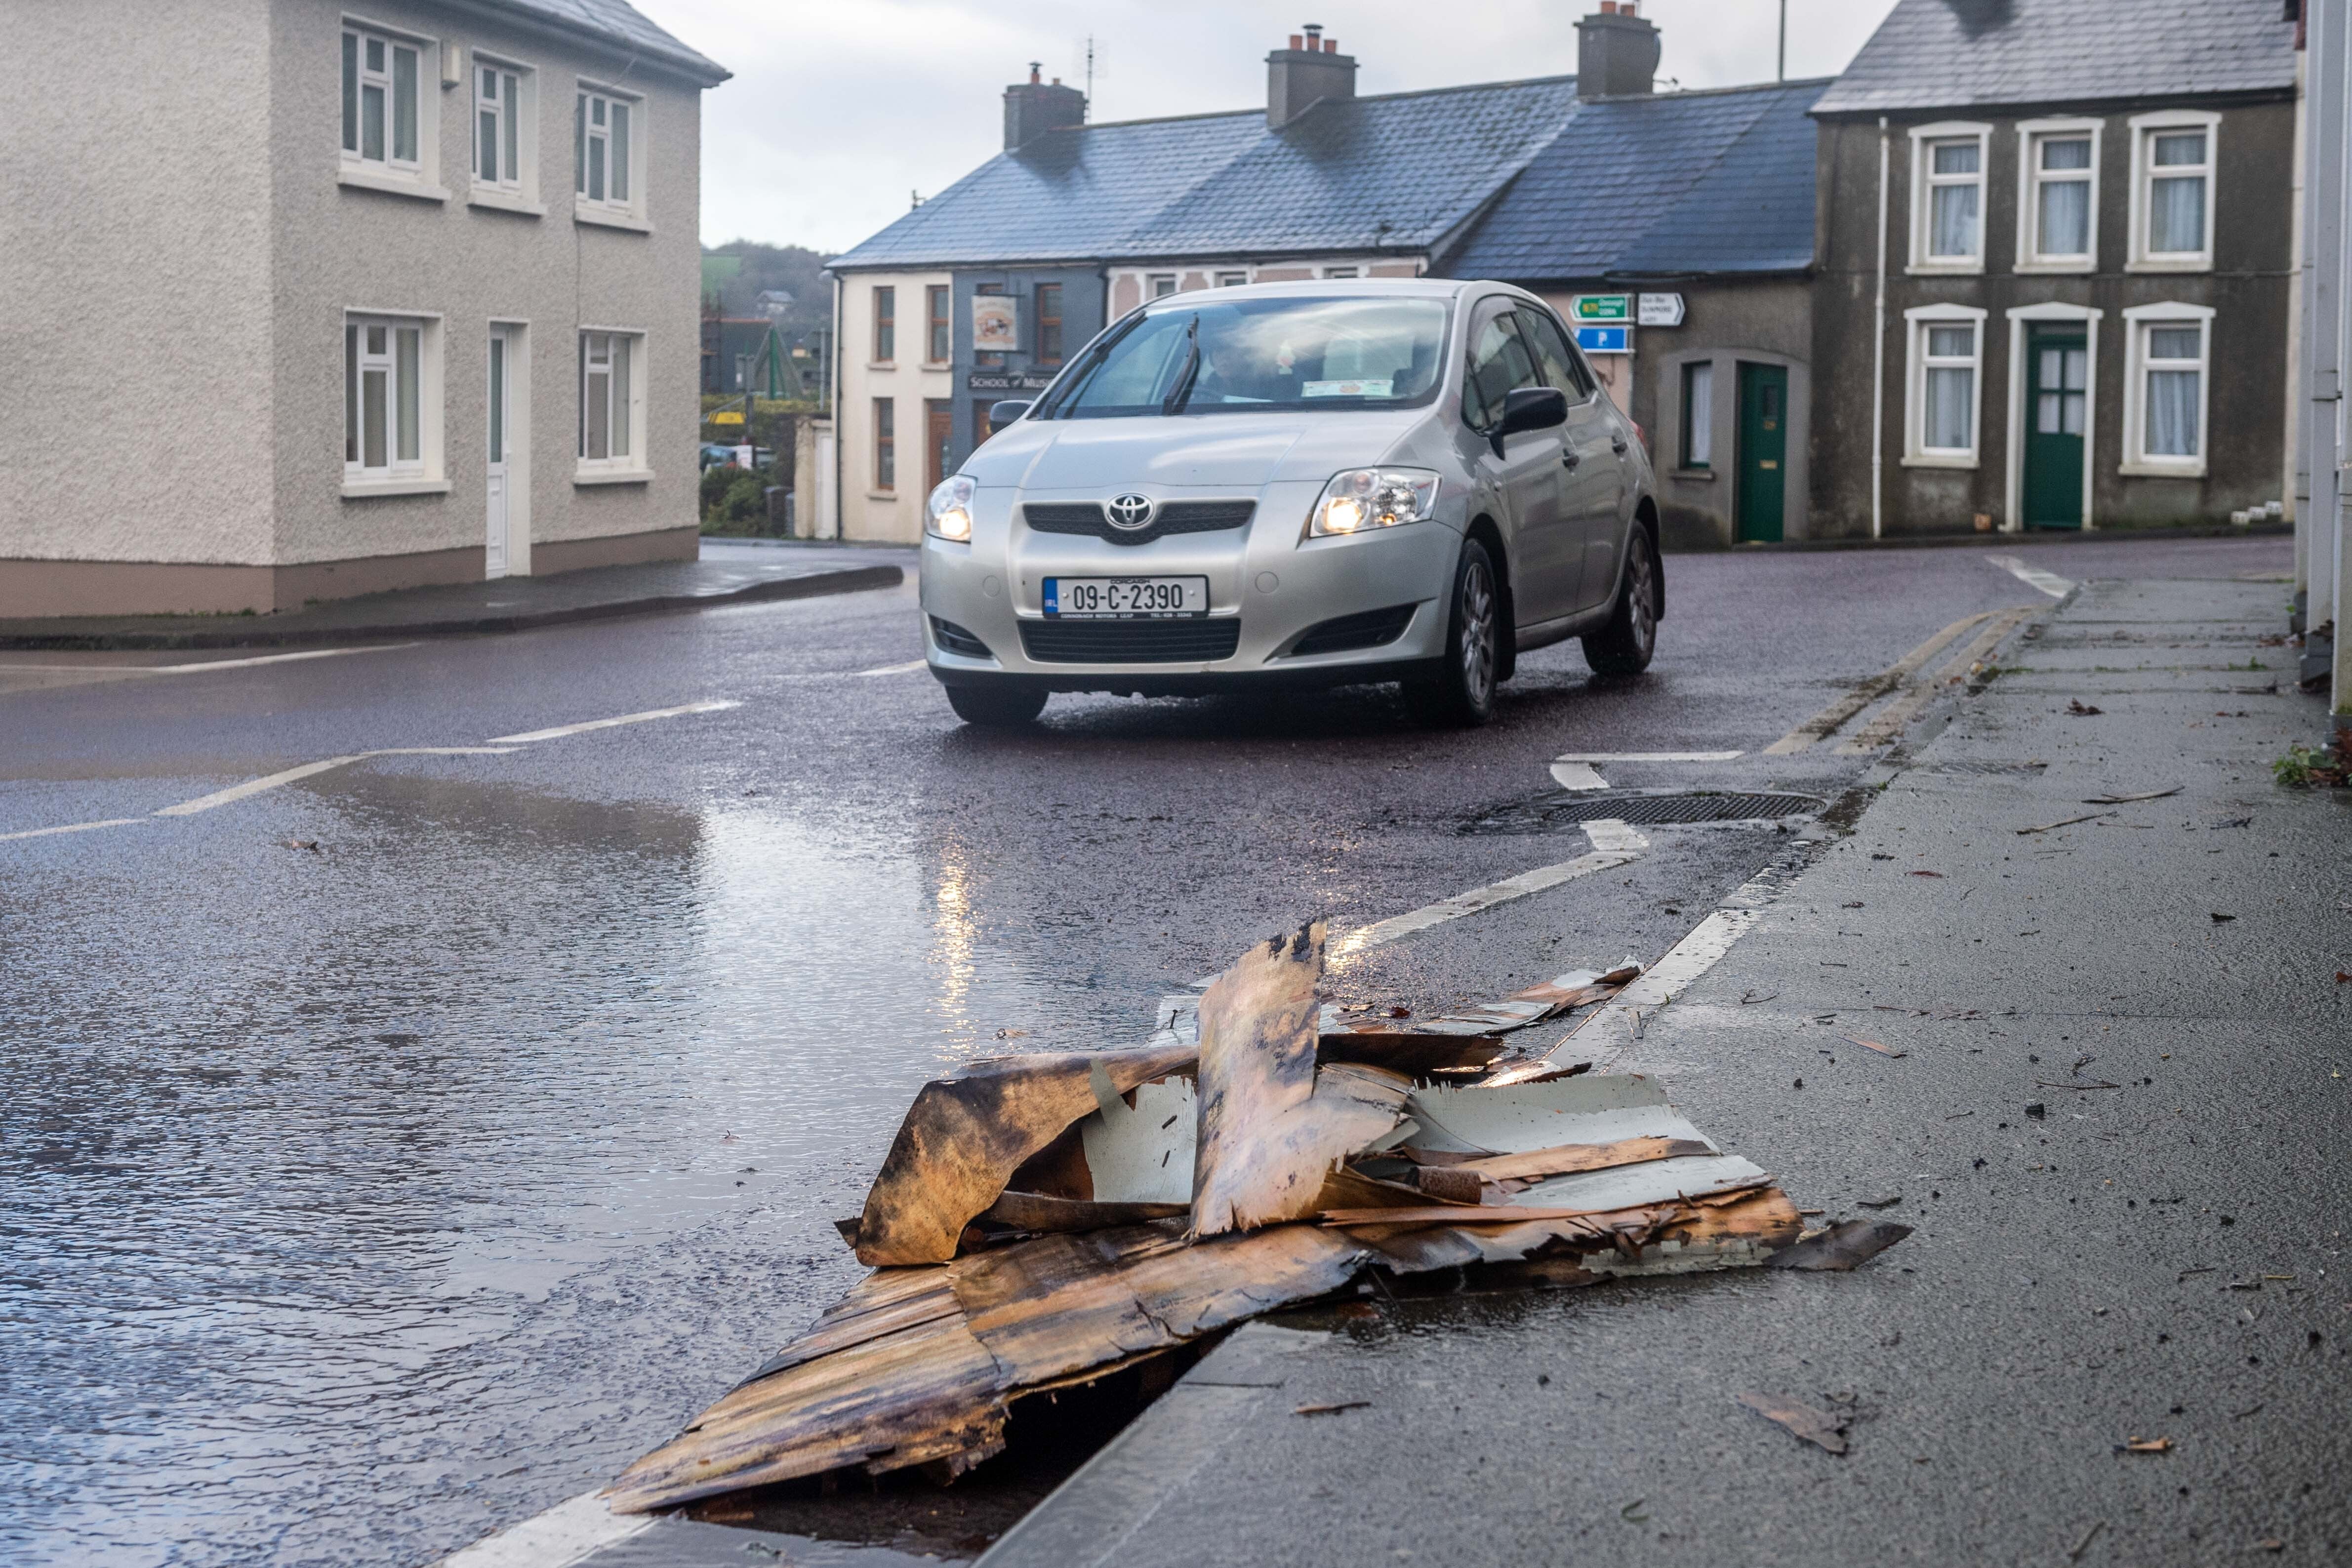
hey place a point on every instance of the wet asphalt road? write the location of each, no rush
(355, 1200)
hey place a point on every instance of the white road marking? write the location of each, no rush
(207, 664)
(252, 787)
(1822, 725)
(2050, 583)
(1892, 719)
(561, 730)
(563, 1535)
(1578, 776)
(1614, 843)
(72, 827)
(1650, 757)
(909, 668)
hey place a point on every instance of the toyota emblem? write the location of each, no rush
(1131, 512)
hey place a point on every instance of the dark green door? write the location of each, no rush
(2057, 383)
(1763, 451)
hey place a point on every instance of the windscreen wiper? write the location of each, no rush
(1181, 392)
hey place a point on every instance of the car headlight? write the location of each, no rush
(949, 513)
(1362, 499)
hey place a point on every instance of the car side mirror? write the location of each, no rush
(1003, 413)
(1530, 408)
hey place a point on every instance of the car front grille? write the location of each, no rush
(1368, 629)
(1174, 518)
(1195, 642)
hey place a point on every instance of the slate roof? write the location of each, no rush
(1715, 182)
(1959, 54)
(1400, 172)
(618, 22)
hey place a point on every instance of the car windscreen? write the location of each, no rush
(1205, 355)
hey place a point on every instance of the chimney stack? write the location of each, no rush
(1302, 76)
(1033, 107)
(1616, 52)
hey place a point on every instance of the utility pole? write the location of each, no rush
(1784, 41)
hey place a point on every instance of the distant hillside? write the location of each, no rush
(791, 269)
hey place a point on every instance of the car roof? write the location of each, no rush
(1448, 289)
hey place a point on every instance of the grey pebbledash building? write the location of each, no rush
(422, 284)
(2076, 308)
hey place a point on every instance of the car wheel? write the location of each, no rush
(1623, 646)
(999, 707)
(1460, 692)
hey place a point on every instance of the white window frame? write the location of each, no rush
(2019, 318)
(2145, 130)
(514, 185)
(1923, 138)
(1232, 279)
(1917, 321)
(1343, 272)
(400, 176)
(1151, 282)
(622, 212)
(625, 414)
(2137, 462)
(2031, 135)
(397, 476)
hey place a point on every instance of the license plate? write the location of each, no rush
(1125, 598)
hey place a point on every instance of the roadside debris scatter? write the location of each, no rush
(1823, 1428)
(1045, 1220)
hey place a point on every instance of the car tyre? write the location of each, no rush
(997, 706)
(1624, 645)
(1460, 692)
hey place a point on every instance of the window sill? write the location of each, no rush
(2184, 264)
(2142, 468)
(496, 200)
(1692, 475)
(2046, 267)
(366, 489)
(605, 218)
(612, 475)
(881, 495)
(415, 190)
(881, 364)
(1945, 269)
(1939, 460)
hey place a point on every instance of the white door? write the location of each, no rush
(495, 559)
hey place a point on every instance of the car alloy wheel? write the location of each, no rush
(1477, 612)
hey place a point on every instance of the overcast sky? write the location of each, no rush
(838, 111)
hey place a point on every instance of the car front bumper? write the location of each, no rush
(1268, 588)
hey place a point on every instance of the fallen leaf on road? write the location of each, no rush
(2068, 823)
(2128, 800)
(1823, 1428)
(1333, 1409)
(1873, 1045)
(2343, 978)
(2080, 709)
(2145, 1445)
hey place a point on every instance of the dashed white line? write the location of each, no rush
(1570, 774)
(72, 827)
(1613, 844)
(563, 1535)
(207, 664)
(561, 730)
(252, 787)
(2050, 583)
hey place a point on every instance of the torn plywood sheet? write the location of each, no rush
(964, 1138)
(1273, 1123)
(1480, 1119)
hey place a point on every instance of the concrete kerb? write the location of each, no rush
(237, 632)
(1997, 539)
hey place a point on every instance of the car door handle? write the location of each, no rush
(1617, 445)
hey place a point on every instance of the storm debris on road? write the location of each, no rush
(1823, 1429)
(1045, 1220)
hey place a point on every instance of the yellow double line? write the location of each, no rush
(1903, 677)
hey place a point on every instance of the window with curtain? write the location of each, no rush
(1947, 386)
(384, 394)
(1955, 189)
(2173, 361)
(498, 126)
(1698, 415)
(2061, 197)
(605, 147)
(381, 110)
(2179, 171)
(609, 399)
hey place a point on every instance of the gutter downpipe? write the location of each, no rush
(833, 398)
(1878, 359)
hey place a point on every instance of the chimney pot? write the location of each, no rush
(1609, 7)
(1330, 45)
(1033, 66)
(1304, 75)
(1297, 42)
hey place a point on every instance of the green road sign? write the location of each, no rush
(1603, 307)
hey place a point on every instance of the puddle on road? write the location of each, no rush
(363, 1201)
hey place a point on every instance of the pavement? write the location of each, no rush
(726, 573)
(435, 1068)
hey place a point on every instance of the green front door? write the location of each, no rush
(1763, 451)
(2057, 384)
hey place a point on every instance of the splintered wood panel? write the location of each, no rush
(923, 1392)
(1572, 1157)
(964, 1138)
(882, 1302)
(1257, 1070)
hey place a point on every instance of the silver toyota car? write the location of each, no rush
(1310, 484)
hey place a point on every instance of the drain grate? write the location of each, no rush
(1559, 813)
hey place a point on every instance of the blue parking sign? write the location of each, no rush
(1602, 340)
